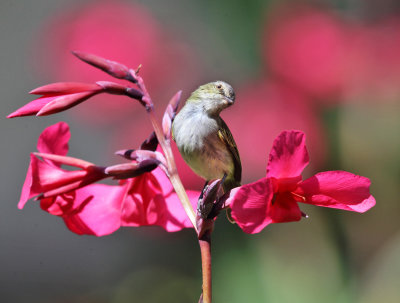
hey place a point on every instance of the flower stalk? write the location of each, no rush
(209, 205)
(205, 249)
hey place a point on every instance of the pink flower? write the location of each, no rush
(57, 97)
(98, 209)
(274, 199)
(46, 177)
(373, 61)
(307, 47)
(151, 200)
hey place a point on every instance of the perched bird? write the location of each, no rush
(203, 138)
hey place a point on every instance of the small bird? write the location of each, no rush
(203, 138)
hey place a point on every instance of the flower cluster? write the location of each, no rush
(149, 191)
(98, 209)
(102, 27)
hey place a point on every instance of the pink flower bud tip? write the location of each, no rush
(113, 68)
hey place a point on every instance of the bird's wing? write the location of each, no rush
(226, 136)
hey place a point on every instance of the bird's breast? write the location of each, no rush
(196, 136)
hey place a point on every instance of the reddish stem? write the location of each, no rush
(205, 249)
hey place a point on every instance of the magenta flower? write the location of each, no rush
(98, 209)
(307, 47)
(46, 177)
(151, 200)
(373, 61)
(274, 199)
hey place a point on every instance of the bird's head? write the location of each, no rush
(213, 97)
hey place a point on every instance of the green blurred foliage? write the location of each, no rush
(381, 279)
(157, 285)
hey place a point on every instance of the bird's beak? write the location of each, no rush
(229, 101)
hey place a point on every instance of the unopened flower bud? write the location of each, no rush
(112, 68)
(130, 170)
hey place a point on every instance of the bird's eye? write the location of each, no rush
(219, 86)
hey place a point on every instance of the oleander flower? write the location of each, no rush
(275, 198)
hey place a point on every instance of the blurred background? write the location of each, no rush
(328, 67)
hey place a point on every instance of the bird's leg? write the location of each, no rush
(204, 205)
(219, 201)
(211, 209)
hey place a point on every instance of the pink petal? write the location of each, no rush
(72, 181)
(338, 189)
(27, 192)
(42, 176)
(62, 88)
(99, 211)
(249, 205)
(65, 160)
(288, 156)
(54, 139)
(48, 177)
(283, 208)
(138, 209)
(33, 107)
(147, 202)
(362, 207)
(63, 205)
(176, 218)
(163, 181)
(64, 102)
(49, 180)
